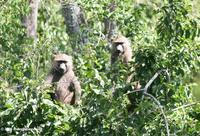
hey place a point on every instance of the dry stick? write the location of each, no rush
(185, 106)
(159, 105)
(162, 111)
(153, 78)
(144, 90)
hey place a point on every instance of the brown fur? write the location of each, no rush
(124, 52)
(68, 89)
(121, 49)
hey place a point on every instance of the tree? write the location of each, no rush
(74, 18)
(110, 24)
(30, 21)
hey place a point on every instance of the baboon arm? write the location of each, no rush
(113, 58)
(77, 87)
(49, 79)
(47, 82)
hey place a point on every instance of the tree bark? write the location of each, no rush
(110, 26)
(30, 21)
(74, 18)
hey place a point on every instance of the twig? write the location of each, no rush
(144, 90)
(153, 78)
(138, 90)
(162, 111)
(186, 105)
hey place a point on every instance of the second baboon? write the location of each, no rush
(121, 49)
(68, 89)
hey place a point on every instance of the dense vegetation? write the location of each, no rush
(165, 35)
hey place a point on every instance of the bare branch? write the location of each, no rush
(186, 105)
(162, 111)
(149, 82)
(144, 90)
(153, 78)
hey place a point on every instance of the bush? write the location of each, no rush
(164, 36)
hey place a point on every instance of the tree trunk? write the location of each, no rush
(109, 24)
(30, 21)
(74, 18)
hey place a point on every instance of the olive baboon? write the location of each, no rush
(121, 48)
(68, 89)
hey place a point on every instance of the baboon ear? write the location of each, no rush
(113, 37)
(54, 53)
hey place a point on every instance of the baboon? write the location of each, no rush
(68, 89)
(121, 48)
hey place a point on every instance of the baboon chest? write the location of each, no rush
(65, 89)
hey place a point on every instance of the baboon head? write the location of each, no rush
(119, 43)
(62, 63)
(121, 47)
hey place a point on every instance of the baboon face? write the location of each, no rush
(121, 48)
(118, 48)
(62, 63)
(118, 44)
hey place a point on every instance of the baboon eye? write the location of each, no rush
(119, 43)
(60, 62)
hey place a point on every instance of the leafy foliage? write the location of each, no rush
(164, 35)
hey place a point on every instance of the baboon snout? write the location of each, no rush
(120, 48)
(63, 67)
